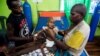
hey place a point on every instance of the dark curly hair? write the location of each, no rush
(12, 3)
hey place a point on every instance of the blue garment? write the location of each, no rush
(60, 52)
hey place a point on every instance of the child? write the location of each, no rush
(17, 29)
(76, 37)
(57, 33)
(51, 25)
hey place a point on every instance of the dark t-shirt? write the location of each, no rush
(19, 24)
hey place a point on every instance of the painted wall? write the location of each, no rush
(4, 11)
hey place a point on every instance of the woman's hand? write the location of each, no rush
(51, 33)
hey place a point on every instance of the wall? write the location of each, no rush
(4, 11)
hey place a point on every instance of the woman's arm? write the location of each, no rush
(57, 42)
(10, 34)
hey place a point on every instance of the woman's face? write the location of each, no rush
(75, 17)
(17, 10)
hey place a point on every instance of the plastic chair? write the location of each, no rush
(2, 18)
(3, 36)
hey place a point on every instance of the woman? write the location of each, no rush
(75, 38)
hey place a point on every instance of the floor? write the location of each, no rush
(93, 48)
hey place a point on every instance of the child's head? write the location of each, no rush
(78, 12)
(50, 23)
(14, 6)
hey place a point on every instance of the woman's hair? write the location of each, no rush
(79, 8)
(12, 3)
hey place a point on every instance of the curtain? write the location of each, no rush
(68, 5)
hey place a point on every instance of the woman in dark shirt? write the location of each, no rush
(17, 29)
